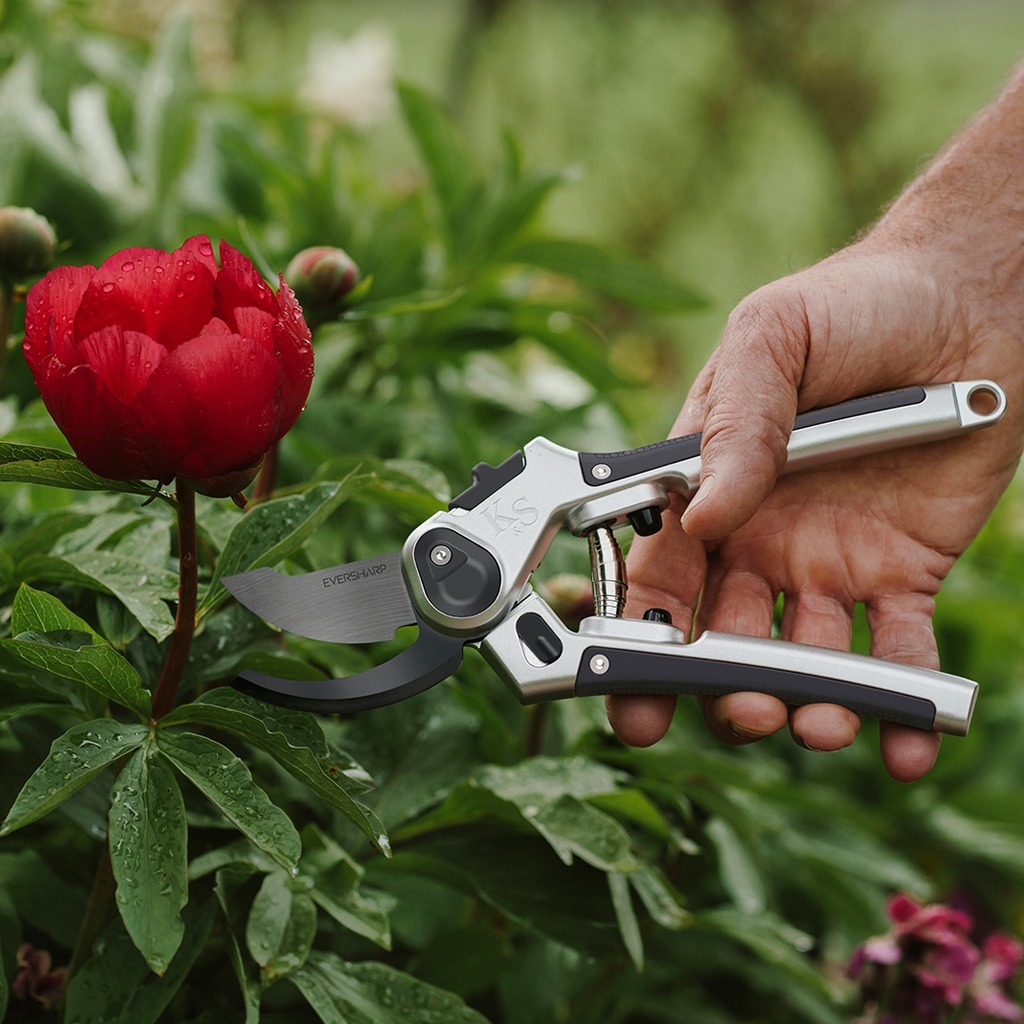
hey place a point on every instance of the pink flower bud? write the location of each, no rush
(321, 277)
(27, 243)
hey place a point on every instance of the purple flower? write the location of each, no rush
(947, 970)
(928, 963)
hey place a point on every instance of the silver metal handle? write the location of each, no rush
(544, 660)
(547, 486)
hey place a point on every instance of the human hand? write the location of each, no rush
(883, 529)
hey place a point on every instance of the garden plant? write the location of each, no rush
(229, 339)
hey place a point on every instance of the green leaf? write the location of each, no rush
(511, 209)
(72, 655)
(572, 826)
(336, 878)
(452, 175)
(228, 784)
(275, 529)
(374, 993)
(148, 852)
(543, 779)
(991, 842)
(293, 738)
(617, 275)
(34, 464)
(36, 611)
(164, 121)
(551, 795)
(662, 901)
(225, 889)
(43, 533)
(519, 876)
(143, 589)
(74, 758)
(34, 708)
(629, 927)
(777, 943)
(737, 868)
(403, 305)
(281, 926)
(115, 986)
(46, 899)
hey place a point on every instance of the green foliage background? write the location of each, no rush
(557, 214)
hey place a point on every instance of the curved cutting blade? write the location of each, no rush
(360, 602)
(431, 657)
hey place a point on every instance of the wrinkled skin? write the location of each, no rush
(934, 293)
(158, 365)
(883, 530)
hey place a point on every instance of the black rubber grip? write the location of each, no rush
(487, 480)
(622, 465)
(640, 672)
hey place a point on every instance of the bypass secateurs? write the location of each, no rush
(463, 577)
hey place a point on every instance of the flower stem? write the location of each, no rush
(267, 478)
(185, 619)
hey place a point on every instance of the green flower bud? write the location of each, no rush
(321, 277)
(27, 243)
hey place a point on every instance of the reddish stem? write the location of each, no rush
(185, 619)
(267, 478)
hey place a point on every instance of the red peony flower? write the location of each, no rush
(161, 365)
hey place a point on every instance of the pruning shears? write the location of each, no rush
(463, 578)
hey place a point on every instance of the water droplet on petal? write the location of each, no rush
(109, 286)
(128, 266)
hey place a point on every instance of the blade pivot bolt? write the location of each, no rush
(441, 555)
(599, 664)
(601, 471)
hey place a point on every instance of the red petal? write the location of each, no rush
(50, 315)
(200, 250)
(213, 403)
(239, 284)
(123, 360)
(168, 296)
(109, 437)
(256, 324)
(295, 351)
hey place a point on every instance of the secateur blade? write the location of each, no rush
(359, 602)
(431, 657)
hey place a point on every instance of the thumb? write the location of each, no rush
(749, 410)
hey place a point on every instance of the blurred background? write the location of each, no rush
(728, 141)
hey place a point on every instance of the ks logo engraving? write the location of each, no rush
(518, 515)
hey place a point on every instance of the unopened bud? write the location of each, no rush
(321, 277)
(27, 243)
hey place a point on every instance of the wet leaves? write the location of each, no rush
(76, 757)
(148, 852)
(228, 784)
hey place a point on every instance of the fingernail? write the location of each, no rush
(743, 733)
(703, 491)
(813, 750)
